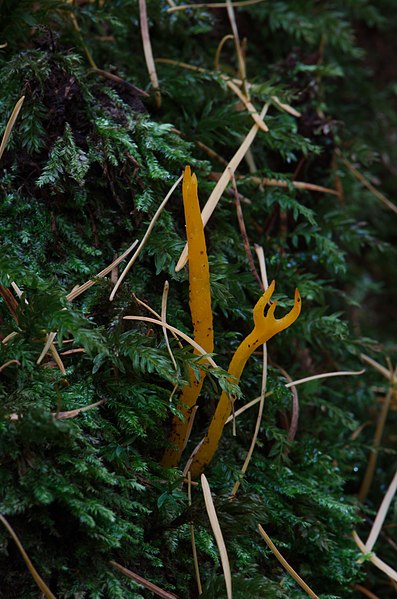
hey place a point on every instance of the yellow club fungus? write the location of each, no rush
(200, 308)
(265, 327)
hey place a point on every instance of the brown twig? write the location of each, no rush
(117, 79)
(140, 580)
(244, 235)
(147, 49)
(10, 301)
(6, 364)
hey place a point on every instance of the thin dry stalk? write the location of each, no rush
(239, 52)
(194, 549)
(35, 575)
(191, 457)
(164, 319)
(381, 515)
(380, 425)
(9, 337)
(266, 182)
(360, 177)
(248, 105)
(117, 79)
(219, 49)
(6, 364)
(69, 413)
(157, 315)
(10, 302)
(262, 264)
(286, 107)
(78, 30)
(49, 342)
(264, 285)
(244, 235)
(324, 375)
(190, 426)
(378, 367)
(257, 424)
(365, 592)
(145, 237)
(142, 581)
(177, 332)
(190, 67)
(10, 125)
(77, 350)
(376, 561)
(17, 290)
(223, 182)
(232, 84)
(253, 402)
(209, 151)
(216, 529)
(57, 359)
(286, 565)
(82, 288)
(212, 5)
(147, 50)
(73, 413)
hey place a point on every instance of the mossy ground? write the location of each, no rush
(88, 163)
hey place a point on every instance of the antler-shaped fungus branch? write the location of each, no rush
(265, 327)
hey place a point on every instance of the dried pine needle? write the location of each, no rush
(57, 359)
(147, 50)
(381, 514)
(156, 314)
(73, 413)
(366, 592)
(8, 363)
(239, 51)
(82, 288)
(286, 107)
(380, 425)
(225, 38)
(145, 237)
(265, 284)
(209, 504)
(193, 540)
(376, 561)
(297, 184)
(35, 575)
(378, 367)
(307, 379)
(257, 424)
(360, 177)
(236, 80)
(248, 105)
(177, 332)
(212, 5)
(164, 319)
(286, 565)
(223, 182)
(142, 581)
(10, 125)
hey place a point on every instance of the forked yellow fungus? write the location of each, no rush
(200, 308)
(265, 327)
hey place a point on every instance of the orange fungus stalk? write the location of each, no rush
(265, 327)
(200, 308)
